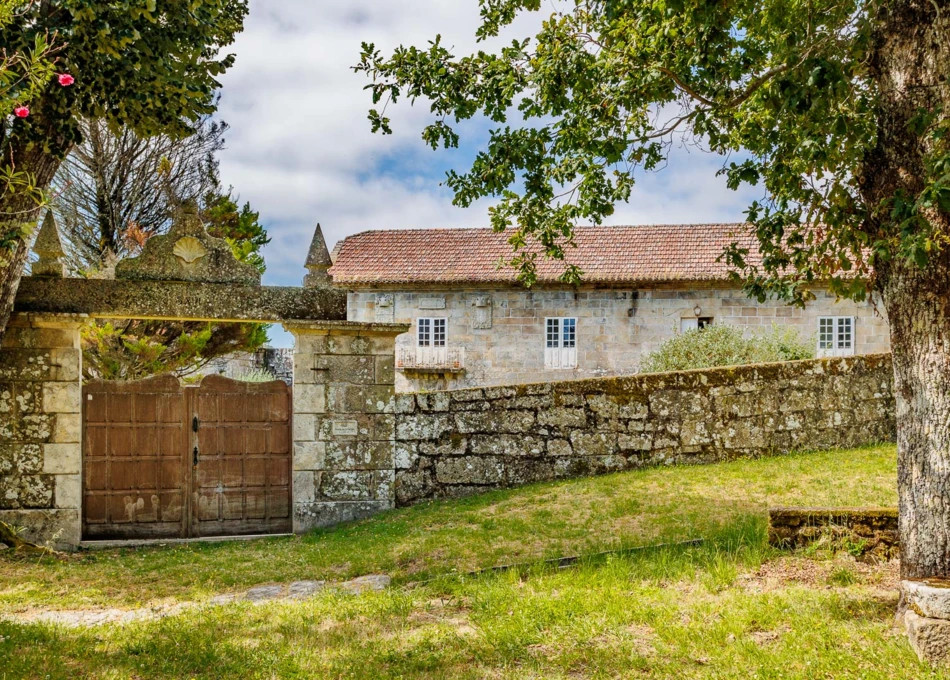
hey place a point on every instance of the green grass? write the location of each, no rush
(729, 608)
(539, 521)
(676, 613)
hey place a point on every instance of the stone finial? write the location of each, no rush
(318, 261)
(187, 253)
(50, 250)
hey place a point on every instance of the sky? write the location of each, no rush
(300, 149)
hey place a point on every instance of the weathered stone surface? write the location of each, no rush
(303, 589)
(929, 598)
(27, 491)
(61, 527)
(326, 514)
(68, 491)
(362, 584)
(62, 459)
(475, 470)
(50, 250)
(263, 593)
(929, 638)
(111, 299)
(309, 455)
(318, 261)
(502, 436)
(873, 529)
(187, 253)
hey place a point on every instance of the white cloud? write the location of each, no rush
(301, 151)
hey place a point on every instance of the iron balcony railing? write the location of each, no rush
(430, 358)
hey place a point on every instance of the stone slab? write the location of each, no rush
(929, 638)
(179, 300)
(929, 598)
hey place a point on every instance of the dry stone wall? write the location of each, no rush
(871, 533)
(450, 444)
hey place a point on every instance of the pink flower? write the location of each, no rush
(66, 80)
(21, 111)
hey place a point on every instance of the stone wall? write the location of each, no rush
(40, 428)
(867, 532)
(343, 421)
(502, 329)
(466, 441)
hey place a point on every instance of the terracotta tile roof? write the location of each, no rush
(654, 254)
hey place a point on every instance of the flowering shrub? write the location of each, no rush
(724, 345)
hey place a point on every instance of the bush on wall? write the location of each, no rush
(724, 345)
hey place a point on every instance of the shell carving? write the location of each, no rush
(189, 250)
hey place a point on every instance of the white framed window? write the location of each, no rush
(431, 332)
(835, 336)
(692, 323)
(560, 342)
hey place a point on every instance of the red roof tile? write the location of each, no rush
(654, 254)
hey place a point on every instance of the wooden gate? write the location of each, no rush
(165, 461)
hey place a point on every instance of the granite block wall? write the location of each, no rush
(460, 442)
(40, 429)
(344, 421)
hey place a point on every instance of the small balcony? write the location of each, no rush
(430, 359)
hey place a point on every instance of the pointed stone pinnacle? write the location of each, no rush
(318, 261)
(50, 250)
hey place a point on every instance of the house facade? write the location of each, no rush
(474, 325)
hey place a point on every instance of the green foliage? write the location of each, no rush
(131, 350)
(241, 227)
(724, 345)
(147, 65)
(785, 90)
(256, 375)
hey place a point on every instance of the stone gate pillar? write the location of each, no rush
(41, 427)
(344, 423)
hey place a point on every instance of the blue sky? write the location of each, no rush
(300, 148)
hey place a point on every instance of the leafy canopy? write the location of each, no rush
(147, 65)
(781, 88)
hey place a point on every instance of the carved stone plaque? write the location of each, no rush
(385, 307)
(345, 428)
(482, 317)
(432, 303)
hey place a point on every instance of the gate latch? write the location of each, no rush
(196, 456)
(195, 423)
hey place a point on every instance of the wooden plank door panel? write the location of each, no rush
(135, 476)
(242, 479)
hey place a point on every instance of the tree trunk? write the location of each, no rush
(909, 63)
(918, 307)
(17, 208)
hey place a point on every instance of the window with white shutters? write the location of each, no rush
(836, 336)
(430, 332)
(431, 349)
(560, 342)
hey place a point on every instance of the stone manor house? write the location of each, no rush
(474, 325)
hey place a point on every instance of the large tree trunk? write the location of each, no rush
(20, 208)
(910, 62)
(918, 306)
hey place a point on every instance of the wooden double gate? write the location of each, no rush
(165, 461)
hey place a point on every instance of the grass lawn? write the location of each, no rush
(730, 608)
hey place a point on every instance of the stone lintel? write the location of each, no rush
(346, 328)
(178, 300)
(46, 320)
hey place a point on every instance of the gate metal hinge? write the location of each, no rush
(195, 423)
